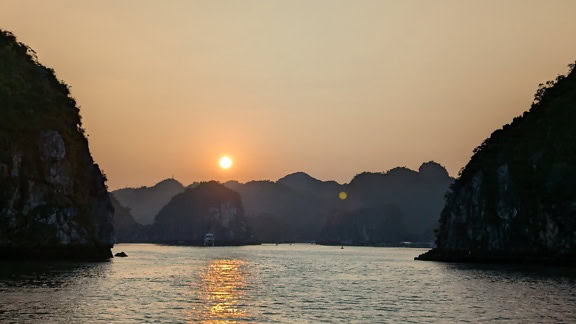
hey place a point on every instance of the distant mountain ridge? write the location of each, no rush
(146, 202)
(418, 194)
(299, 207)
(125, 227)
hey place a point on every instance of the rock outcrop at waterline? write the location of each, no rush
(53, 198)
(209, 207)
(515, 201)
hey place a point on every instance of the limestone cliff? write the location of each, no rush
(516, 198)
(53, 197)
(209, 207)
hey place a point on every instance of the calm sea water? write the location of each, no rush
(286, 283)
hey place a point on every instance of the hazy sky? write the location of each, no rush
(331, 87)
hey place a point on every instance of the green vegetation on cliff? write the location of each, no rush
(53, 196)
(516, 199)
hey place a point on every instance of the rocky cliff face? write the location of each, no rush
(53, 198)
(209, 207)
(516, 198)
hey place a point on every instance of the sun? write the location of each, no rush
(225, 162)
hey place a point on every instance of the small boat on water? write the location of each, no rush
(208, 239)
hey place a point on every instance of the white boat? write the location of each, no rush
(208, 239)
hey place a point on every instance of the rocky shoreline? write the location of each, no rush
(470, 257)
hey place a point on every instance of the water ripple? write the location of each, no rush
(303, 283)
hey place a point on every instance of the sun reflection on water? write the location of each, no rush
(221, 291)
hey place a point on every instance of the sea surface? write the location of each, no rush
(284, 283)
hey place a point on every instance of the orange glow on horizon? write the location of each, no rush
(368, 87)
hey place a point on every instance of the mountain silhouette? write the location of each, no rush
(126, 228)
(418, 194)
(300, 208)
(379, 225)
(309, 209)
(209, 207)
(146, 202)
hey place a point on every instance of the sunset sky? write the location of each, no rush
(328, 87)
